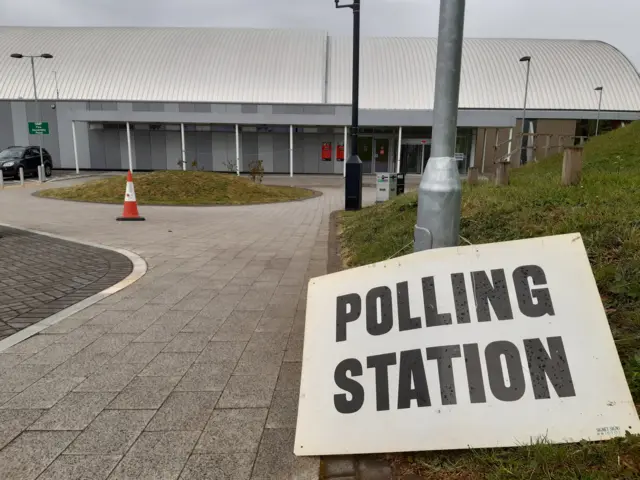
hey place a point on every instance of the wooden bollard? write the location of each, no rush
(572, 165)
(502, 174)
(472, 176)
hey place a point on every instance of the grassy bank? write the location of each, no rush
(605, 209)
(180, 188)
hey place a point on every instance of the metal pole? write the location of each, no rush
(291, 150)
(183, 148)
(399, 149)
(484, 149)
(353, 167)
(526, 93)
(75, 145)
(440, 190)
(509, 145)
(38, 113)
(344, 160)
(237, 150)
(129, 147)
(599, 108)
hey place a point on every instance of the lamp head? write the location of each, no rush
(526, 59)
(598, 89)
(17, 55)
(46, 55)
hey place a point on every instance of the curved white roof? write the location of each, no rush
(298, 66)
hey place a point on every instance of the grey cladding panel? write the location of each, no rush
(319, 109)
(94, 106)
(202, 108)
(186, 107)
(109, 106)
(156, 107)
(112, 149)
(281, 153)
(143, 149)
(6, 125)
(96, 149)
(141, 107)
(204, 145)
(265, 150)
(249, 148)
(158, 150)
(249, 109)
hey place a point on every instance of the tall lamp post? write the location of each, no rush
(599, 89)
(353, 167)
(526, 59)
(35, 96)
(440, 190)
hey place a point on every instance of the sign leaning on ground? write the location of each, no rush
(36, 128)
(481, 346)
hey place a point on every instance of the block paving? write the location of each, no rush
(193, 371)
(40, 275)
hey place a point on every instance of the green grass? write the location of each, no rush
(180, 188)
(605, 209)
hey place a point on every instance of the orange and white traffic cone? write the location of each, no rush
(130, 204)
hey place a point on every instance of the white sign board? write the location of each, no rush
(480, 346)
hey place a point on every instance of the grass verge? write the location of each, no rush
(605, 209)
(180, 188)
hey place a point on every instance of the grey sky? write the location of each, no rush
(613, 21)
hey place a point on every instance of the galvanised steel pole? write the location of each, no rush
(440, 190)
(598, 89)
(38, 115)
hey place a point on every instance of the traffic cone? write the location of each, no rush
(130, 205)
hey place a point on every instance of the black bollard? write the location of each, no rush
(353, 184)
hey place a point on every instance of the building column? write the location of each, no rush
(183, 148)
(484, 149)
(291, 150)
(237, 149)
(509, 145)
(346, 150)
(75, 145)
(399, 149)
(472, 154)
(129, 147)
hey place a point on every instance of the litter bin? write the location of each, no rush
(400, 183)
(386, 184)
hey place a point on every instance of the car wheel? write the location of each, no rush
(47, 170)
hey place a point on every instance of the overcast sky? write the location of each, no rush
(613, 21)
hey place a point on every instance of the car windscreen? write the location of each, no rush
(11, 153)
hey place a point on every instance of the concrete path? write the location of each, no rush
(193, 371)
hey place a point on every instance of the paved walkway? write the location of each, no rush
(40, 275)
(193, 371)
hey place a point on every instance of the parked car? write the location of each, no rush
(12, 158)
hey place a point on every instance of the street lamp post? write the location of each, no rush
(599, 89)
(440, 190)
(524, 108)
(353, 167)
(35, 97)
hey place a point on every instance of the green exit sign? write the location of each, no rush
(36, 128)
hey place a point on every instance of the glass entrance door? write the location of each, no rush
(365, 153)
(382, 154)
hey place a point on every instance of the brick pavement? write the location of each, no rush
(40, 276)
(193, 371)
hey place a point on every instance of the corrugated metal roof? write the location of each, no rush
(167, 64)
(399, 73)
(288, 66)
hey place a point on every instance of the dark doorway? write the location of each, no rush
(365, 154)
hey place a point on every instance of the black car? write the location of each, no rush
(12, 158)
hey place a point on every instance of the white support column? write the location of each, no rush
(75, 145)
(399, 149)
(183, 149)
(237, 150)
(346, 153)
(291, 150)
(509, 145)
(129, 147)
(472, 154)
(484, 149)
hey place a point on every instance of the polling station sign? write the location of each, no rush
(479, 346)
